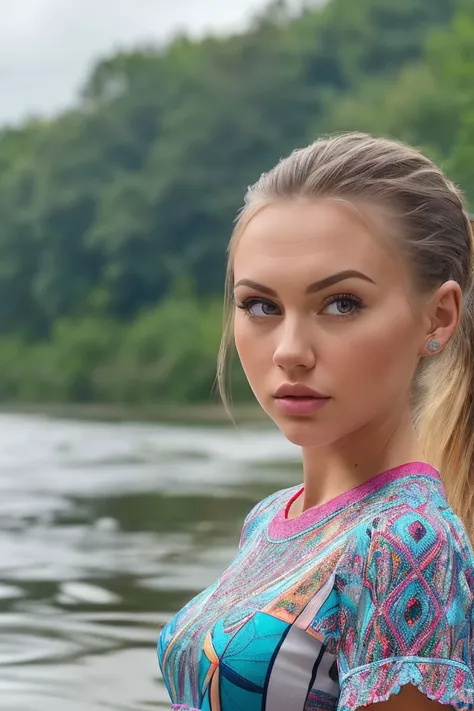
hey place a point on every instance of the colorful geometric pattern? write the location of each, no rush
(336, 609)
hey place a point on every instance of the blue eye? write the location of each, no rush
(346, 305)
(258, 308)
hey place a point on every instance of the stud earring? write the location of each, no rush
(433, 345)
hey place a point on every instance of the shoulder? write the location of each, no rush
(418, 534)
(423, 547)
(264, 510)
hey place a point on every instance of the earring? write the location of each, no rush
(433, 345)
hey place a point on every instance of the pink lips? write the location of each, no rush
(298, 399)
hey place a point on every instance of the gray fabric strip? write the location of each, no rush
(293, 669)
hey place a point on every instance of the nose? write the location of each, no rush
(294, 348)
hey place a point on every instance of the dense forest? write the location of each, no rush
(115, 215)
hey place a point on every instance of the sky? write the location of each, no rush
(48, 47)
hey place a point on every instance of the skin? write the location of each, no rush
(364, 362)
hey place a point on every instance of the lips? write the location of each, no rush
(299, 399)
(297, 390)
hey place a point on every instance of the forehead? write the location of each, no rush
(312, 237)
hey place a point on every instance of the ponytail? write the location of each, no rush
(444, 416)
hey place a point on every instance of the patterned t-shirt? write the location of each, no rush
(334, 609)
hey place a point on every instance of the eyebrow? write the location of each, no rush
(312, 288)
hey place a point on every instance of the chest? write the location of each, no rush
(257, 639)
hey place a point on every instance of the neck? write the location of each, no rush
(334, 469)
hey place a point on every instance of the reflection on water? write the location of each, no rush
(105, 531)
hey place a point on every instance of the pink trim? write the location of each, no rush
(282, 527)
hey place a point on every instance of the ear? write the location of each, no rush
(444, 314)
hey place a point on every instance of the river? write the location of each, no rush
(105, 531)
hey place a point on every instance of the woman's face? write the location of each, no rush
(322, 303)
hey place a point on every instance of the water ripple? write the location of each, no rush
(105, 531)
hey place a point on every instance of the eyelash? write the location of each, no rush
(247, 304)
(355, 300)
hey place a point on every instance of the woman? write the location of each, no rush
(350, 284)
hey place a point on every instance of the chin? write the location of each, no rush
(304, 432)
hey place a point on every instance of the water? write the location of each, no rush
(105, 531)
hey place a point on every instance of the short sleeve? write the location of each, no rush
(406, 613)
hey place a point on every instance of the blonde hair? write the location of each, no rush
(437, 238)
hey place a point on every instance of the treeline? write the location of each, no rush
(114, 216)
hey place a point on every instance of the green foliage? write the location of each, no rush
(166, 355)
(454, 51)
(114, 217)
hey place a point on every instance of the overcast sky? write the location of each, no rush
(47, 47)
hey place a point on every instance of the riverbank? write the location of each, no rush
(209, 413)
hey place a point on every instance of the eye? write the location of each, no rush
(344, 305)
(259, 308)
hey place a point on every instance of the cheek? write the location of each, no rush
(254, 358)
(383, 356)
